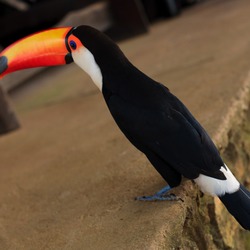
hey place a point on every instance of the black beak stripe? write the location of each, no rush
(3, 64)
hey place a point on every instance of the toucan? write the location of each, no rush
(154, 120)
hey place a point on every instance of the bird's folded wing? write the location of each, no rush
(170, 135)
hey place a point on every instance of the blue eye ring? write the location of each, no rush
(72, 44)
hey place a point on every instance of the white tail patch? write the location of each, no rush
(86, 61)
(218, 187)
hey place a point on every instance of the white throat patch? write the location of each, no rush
(85, 60)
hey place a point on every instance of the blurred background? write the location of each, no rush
(119, 19)
(21, 17)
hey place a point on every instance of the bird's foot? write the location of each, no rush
(169, 197)
(160, 196)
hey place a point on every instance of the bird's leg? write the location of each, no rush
(160, 196)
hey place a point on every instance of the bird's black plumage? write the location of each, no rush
(239, 206)
(158, 127)
(152, 118)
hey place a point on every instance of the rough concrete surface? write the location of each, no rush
(68, 177)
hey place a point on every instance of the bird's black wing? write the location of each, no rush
(166, 132)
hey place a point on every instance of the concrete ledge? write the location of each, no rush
(68, 177)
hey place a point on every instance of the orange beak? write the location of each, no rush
(46, 48)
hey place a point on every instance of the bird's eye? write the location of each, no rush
(72, 45)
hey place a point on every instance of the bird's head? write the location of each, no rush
(84, 45)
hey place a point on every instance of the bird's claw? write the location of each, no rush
(168, 197)
(161, 195)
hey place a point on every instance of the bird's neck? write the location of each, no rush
(86, 61)
(112, 70)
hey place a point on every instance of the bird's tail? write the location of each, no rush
(238, 204)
